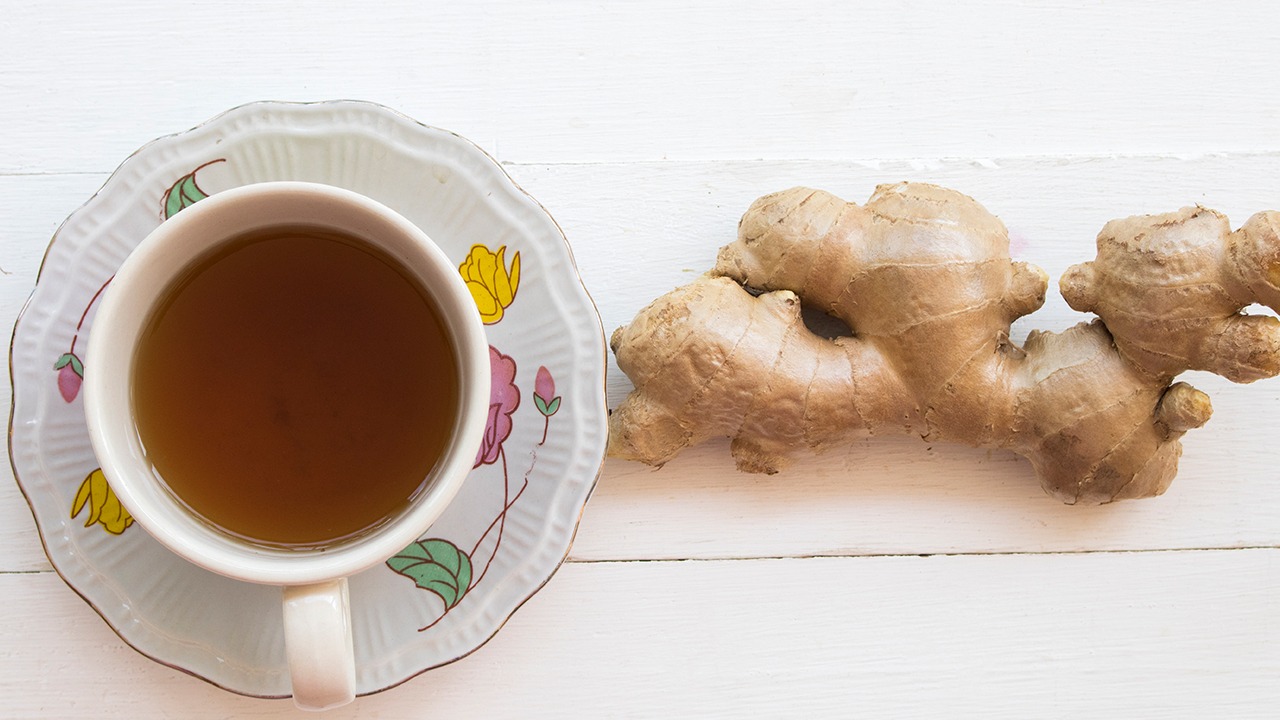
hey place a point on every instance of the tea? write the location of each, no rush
(295, 388)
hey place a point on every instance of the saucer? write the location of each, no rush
(508, 529)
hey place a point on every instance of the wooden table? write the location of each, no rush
(891, 578)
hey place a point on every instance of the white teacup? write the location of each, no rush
(317, 621)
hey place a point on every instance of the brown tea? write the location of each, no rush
(295, 388)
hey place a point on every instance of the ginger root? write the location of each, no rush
(922, 277)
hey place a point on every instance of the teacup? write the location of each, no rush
(287, 399)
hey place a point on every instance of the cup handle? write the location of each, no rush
(317, 637)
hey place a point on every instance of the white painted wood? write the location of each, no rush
(641, 229)
(1171, 635)
(883, 495)
(646, 129)
(86, 82)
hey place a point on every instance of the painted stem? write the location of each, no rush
(501, 520)
(85, 314)
(488, 530)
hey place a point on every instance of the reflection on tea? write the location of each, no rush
(295, 388)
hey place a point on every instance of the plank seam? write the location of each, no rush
(1002, 553)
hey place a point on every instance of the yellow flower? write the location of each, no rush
(104, 507)
(492, 285)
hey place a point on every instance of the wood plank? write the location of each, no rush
(87, 82)
(646, 129)
(1173, 635)
(641, 229)
(888, 495)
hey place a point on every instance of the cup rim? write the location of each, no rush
(140, 282)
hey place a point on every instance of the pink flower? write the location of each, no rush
(544, 392)
(70, 375)
(504, 398)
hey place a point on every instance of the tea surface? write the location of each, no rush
(295, 388)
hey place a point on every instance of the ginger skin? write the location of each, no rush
(923, 278)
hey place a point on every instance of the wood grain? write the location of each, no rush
(1044, 636)
(879, 496)
(646, 129)
(86, 82)
(899, 495)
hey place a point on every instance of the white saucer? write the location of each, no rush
(444, 597)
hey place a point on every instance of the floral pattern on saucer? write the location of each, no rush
(510, 526)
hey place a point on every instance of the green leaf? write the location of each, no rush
(70, 359)
(544, 407)
(437, 566)
(191, 193)
(183, 194)
(173, 202)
